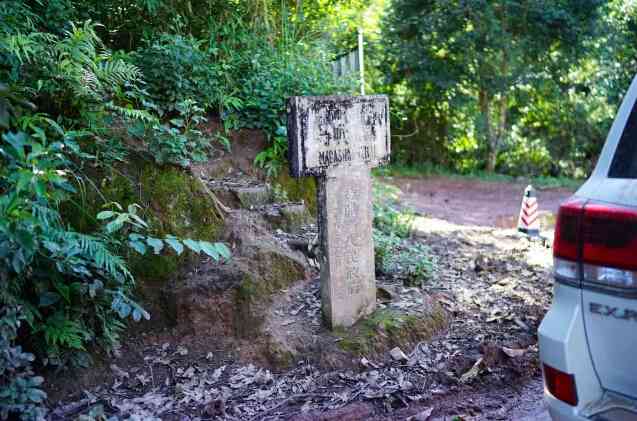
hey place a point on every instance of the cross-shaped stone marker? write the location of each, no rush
(338, 139)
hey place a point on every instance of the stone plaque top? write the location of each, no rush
(337, 131)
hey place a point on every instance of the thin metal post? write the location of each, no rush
(360, 60)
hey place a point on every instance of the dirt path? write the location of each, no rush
(473, 202)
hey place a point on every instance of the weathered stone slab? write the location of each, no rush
(337, 131)
(338, 139)
(348, 284)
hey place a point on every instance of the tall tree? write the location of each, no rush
(484, 50)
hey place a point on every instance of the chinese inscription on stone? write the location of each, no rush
(338, 139)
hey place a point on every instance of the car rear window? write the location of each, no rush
(624, 163)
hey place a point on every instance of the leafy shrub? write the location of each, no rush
(130, 223)
(274, 157)
(20, 391)
(176, 68)
(384, 245)
(179, 140)
(389, 217)
(394, 252)
(74, 288)
(295, 67)
(66, 280)
(72, 75)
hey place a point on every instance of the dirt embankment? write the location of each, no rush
(493, 285)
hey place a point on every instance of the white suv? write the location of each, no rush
(588, 339)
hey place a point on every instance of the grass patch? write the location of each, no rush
(430, 170)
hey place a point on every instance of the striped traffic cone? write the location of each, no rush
(528, 223)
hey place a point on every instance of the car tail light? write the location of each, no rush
(609, 250)
(610, 236)
(602, 237)
(566, 246)
(561, 385)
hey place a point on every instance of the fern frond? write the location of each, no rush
(118, 72)
(132, 113)
(47, 216)
(16, 16)
(90, 81)
(95, 249)
(23, 46)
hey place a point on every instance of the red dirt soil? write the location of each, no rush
(473, 202)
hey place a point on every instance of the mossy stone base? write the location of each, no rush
(388, 328)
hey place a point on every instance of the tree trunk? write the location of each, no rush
(485, 116)
(498, 138)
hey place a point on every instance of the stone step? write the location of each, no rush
(241, 192)
(290, 217)
(253, 196)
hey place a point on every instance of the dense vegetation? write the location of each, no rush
(519, 87)
(87, 87)
(522, 87)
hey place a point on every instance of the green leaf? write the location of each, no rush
(37, 381)
(116, 223)
(47, 298)
(24, 179)
(178, 122)
(36, 395)
(193, 245)
(210, 249)
(156, 243)
(175, 244)
(105, 215)
(223, 250)
(138, 246)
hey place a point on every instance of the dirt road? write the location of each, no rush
(456, 207)
(473, 202)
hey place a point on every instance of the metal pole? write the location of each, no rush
(360, 60)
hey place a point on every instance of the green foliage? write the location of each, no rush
(275, 156)
(394, 252)
(179, 141)
(74, 287)
(388, 216)
(66, 280)
(177, 69)
(430, 170)
(273, 78)
(473, 73)
(20, 392)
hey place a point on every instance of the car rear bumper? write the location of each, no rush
(563, 346)
(560, 411)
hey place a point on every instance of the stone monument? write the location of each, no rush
(339, 139)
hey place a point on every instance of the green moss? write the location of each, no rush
(266, 273)
(279, 357)
(385, 329)
(172, 200)
(249, 290)
(298, 189)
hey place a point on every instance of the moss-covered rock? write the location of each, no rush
(298, 189)
(290, 217)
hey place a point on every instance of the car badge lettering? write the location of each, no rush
(616, 312)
